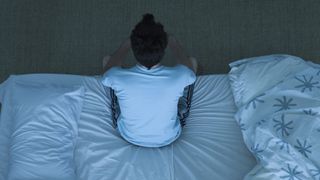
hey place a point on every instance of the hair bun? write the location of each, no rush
(148, 18)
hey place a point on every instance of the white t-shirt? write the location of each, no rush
(148, 101)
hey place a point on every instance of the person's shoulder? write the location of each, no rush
(111, 75)
(179, 66)
(114, 69)
(183, 68)
(187, 75)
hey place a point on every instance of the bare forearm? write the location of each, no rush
(119, 55)
(180, 55)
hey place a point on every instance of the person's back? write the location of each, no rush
(148, 96)
(148, 102)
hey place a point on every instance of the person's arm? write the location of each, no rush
(182, 57)
(117, 58)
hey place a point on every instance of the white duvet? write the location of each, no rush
(281, 123)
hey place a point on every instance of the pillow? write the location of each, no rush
(312, 64)
(41, 119)
(251, 76)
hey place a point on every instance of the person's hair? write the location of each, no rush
(148, 41)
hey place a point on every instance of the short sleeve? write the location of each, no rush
(108, 77)
(190, 76)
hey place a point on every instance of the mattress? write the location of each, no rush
(210, 146)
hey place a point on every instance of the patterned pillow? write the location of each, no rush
(251, 76)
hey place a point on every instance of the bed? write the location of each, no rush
(59, 126)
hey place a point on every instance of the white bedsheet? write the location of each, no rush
(210, 147)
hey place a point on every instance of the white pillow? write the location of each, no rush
(251, 76)
(41, 119)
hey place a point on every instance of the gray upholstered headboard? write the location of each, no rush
(73, 36)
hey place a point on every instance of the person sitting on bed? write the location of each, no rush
(148, 93)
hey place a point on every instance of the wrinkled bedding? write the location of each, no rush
(280, 124)
(38, 129)
(210, 147)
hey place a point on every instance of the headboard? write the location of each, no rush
(73, 36)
